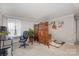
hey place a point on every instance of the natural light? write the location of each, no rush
(14, 27)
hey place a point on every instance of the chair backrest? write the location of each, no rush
(25, 34)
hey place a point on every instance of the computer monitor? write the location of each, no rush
(3, 29)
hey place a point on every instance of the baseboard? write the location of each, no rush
(70, 43)
(77, 42)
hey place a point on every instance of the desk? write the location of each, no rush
(3, 51)
(4, 47)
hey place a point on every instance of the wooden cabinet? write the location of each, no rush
(42, 33)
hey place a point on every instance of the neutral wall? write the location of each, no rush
(67, 32)
(25, 25)
(0, 19)
(3, 20)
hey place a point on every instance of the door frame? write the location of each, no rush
(76, 27)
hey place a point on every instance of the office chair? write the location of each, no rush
(23, 39)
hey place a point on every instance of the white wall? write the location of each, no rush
(25, 25)
(67, 32)
(3, 20)
(0, 19)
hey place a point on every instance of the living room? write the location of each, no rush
(54, 27)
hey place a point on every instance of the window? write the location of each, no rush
(14, 27)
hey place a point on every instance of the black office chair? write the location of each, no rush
(23, 39)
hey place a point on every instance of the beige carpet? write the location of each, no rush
(42, 50)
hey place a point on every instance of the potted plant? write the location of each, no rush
(30, 34)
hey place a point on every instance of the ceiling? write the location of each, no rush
(38, 10)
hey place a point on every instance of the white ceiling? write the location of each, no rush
(38, 10)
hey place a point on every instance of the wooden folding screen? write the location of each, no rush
(41, 32)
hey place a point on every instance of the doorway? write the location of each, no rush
(77, 30)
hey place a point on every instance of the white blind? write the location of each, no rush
(14, 27)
